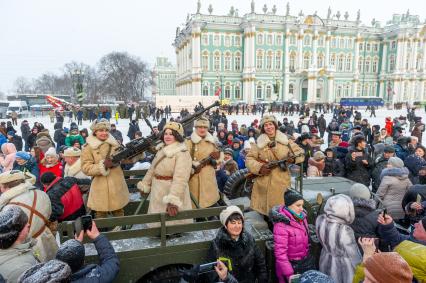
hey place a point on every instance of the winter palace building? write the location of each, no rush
(266, 56)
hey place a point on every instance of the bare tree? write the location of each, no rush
(23, 85)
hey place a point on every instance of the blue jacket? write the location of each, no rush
(3, 140)
(401, 152)
(241, 161)
(108, 268)
(30, 166)
(390, 235)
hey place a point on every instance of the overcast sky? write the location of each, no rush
(39, 36)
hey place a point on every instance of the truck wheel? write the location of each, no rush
(165, 274)
(237, 185)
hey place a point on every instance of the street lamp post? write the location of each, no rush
(78, 73)
(220, 77)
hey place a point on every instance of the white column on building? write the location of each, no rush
(327, 50)
(248, 69)
(314, 49)
(421, 90)
(355, 83)
(399, 54)
(356, 57)
(424, 56)
(299, 51)
(381, 88)
(384, 57)
(405, 54)
(330, 89)
(414, 53)
(196, 60)
(286, 66)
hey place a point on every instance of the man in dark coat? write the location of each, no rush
(322, 125)
(116, 133)
(358, 163)
(333, 166)
(379, 165)
(25, 132)
(15, 139)
(418, 129)
(72, 252)
(133, 128)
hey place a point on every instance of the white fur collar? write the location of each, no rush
(263, 139)
(73, 169)
(95, 143)
(12, 193)
(196, 138)
(171, 149)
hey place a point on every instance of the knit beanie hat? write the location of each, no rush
(389, 267)
(224, 215)
(314, 276)
(23, 155)
(360, 191)
(51, 152)
(72, 253)
(228, 151)
(12, 221)
(396, 162)
(291, 196)
(47, 177)
(389, 148)
(53, 271)
(319, 155)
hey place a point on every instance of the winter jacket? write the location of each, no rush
(365, 222)
(248, 263)
(203, 185)
(70, 139)
(389, 127)
(333, 166)
(418, 130)
(390, 235)
(379, 165)
(17, 141)
(133, 128)
(75, 170)
(9, 151)
(16, 260)
(268, 190)
(356, 170)
(117, 135)
(291, 241)
(394, 185)
(56, 169)
(410, 196)
(3, 139)
(59, 137)
(46, 245)
(108, 191)
(66, 199)
(242, 160)
(25, 130)
(340, 253)
(107, 269)
(401, 151)
(315, 168)
(414, 163)
(172, 161)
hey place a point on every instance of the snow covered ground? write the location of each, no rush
(123, 124)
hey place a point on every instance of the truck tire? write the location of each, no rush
(165, 274)
(237, 185)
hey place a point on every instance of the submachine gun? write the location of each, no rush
(138, 146)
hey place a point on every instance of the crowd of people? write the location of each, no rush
(48, 180)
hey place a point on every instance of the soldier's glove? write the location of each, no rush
(215, 155)
(212, 162)
(108, 163)
(264, 170)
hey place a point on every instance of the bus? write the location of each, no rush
(361, 101)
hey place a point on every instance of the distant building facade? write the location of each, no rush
(164, 75)
(272, 57)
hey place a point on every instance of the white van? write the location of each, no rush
(3, 109)
(20, 107)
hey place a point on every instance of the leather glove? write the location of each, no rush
(215, 155)
(264, 170)
(213, 162)
(108, 163)
(172, 209)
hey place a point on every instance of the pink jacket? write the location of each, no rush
(291, 241)
(6, 161)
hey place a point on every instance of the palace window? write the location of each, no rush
(269, 39)
(205, 39)
(350, 43)
(407, 61)
(227, 41)
(340, 63)
(393, 44)
(392, 63)
(291, 89)
(368, 47)
(419, 62)
(342, 43)
(228, 61)
(237, 63)
(237, 92)
(259, 91)
(360, 64)
(367, 65)
(216, 65)
(292, 62)
(279, 40)
(206, 90)
(339, 91)
(205, 61)
(375, 47)
(227, 91)
(321, 41)
(260, 39)
(259, 59)
(348, 63)
(237, 40)
(307, 40)
(216, 40)
(306, 60)
(278, 60)
(333, 59)
(269, 60)
(361, 46)
(268, 92)
(320, 60)
(293, 39)
(374, 65)
(333, 42)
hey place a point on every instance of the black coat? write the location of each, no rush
(25, 131)
(366, 214)
(379, 165)
(107, 269)
(17, 141)
(248, 263)
(356, 170)
(133, 128)
(334, 166)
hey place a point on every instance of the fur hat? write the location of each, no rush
(268, 118)
(72, 252)
(291, 196)
(51, 152)
(12, 220)
(396, 162)
(100, 124)
(10, 176)
(174, 126)
(360, 191)
(224, 215)
(389, 267)
(52, 271)
(319, 155)
(202, 122)
(72, 152)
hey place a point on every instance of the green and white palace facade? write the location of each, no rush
(266, 56)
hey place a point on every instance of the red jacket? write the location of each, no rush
(66, 198)
(56, 169)
(389, 127)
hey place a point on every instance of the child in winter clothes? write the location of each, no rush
(50, 163)
(316, 164)
(291, 240)
(8, 157)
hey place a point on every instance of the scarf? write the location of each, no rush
(298, 217)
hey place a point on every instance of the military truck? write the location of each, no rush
(151, 251)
